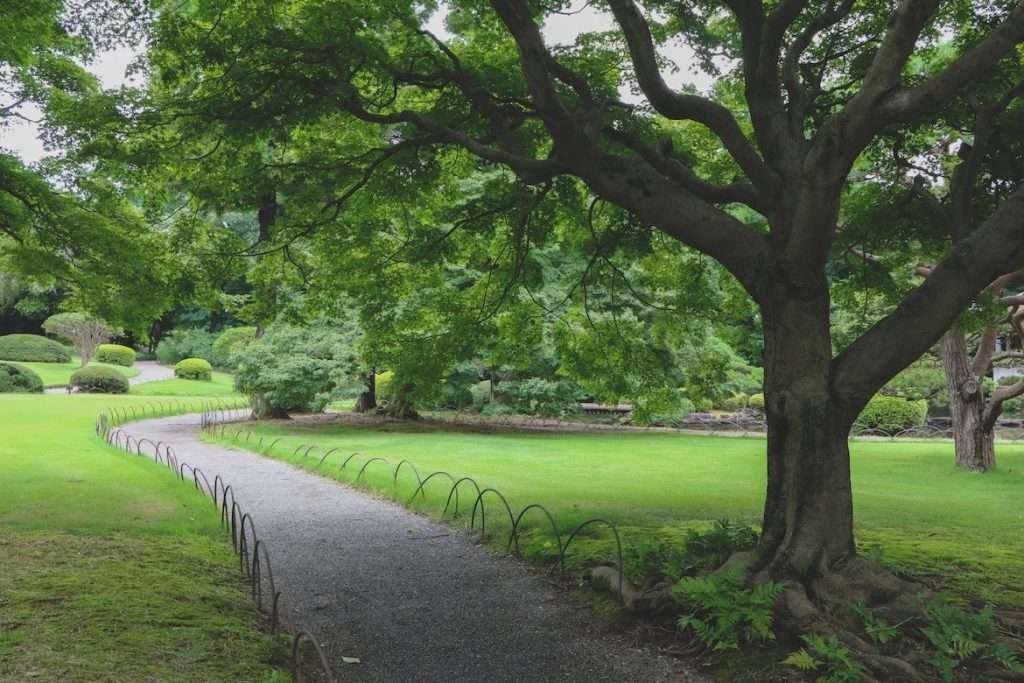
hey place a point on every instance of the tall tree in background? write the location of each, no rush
(61, 222)
(822, 82)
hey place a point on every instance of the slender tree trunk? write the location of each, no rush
(266, 294)
(808, 514)
(973, 437)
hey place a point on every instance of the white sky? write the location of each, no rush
(110, 67)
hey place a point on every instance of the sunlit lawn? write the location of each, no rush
(110, 568)
(925, 514)
(59, 374)
(221, 385)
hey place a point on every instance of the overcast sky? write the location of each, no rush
(111, 67)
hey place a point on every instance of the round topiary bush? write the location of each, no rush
(115, 354)
(229, 341)
(17, 379)
(31, 348)
(756, 402)
(892, 414)
(193, 368)
(96, 379)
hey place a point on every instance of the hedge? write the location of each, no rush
(31, 348)
(193, 368)
(229, 341)
(97, 379)
(17, 379)
(892, 413)
(115, 354)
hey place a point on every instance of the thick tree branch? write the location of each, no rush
(995, 248)
(680, 106)
(740, 192)
(971, 67)
(986, 347)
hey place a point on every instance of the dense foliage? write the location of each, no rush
(180, 344)
(298, 368)
(115, 354)
(81, 330)
(98, 379)
(32, 348)
(17, 379)
(229, 341)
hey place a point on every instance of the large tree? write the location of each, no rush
(822, 81)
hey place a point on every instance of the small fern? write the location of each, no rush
(723, 612)
(827, 657)
(875, 628)
(958, 636)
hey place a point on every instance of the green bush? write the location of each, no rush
(382, 382)
(756, 402)
(17, 379)
(703, 405)
(229, 341)
(891, 413)
(115, 354)
(538, 396)
(188, 343)
(97, 379)
(31, 348)
(301, 368)
(193, 368)
(733, 403)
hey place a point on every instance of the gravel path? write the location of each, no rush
(151, 371)
(412, 599)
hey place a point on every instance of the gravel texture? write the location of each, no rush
(151, 371)
(413, 600)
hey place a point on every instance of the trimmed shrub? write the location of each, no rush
(193, 368)
(96, 379)
(31, 348)
(17, 379)
(188, 343)
(229, 341)
(756, 402)
(891, 413)
(703, 405)
(734, 403)
(115, 354)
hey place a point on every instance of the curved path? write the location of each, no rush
(413, 600)
(151, 371)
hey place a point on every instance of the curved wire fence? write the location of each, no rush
(218, 424)
(253, 557)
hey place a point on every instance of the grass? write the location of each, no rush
(59, 374)
(110, 568)
(222, 384)
(913, 509)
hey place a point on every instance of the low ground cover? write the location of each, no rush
(110, 568)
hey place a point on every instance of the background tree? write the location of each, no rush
(84, 332)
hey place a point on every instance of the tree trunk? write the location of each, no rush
(367, 400)
(263, 410)
(400, 405)
(808, 514)
(974, 439)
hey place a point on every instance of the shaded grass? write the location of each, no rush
(221, 384)
(929, 518)
(59, 374)
(110, 568)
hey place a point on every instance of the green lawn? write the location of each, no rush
(222, 384)
(110, 568)
(59, 374)
(927, 516)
